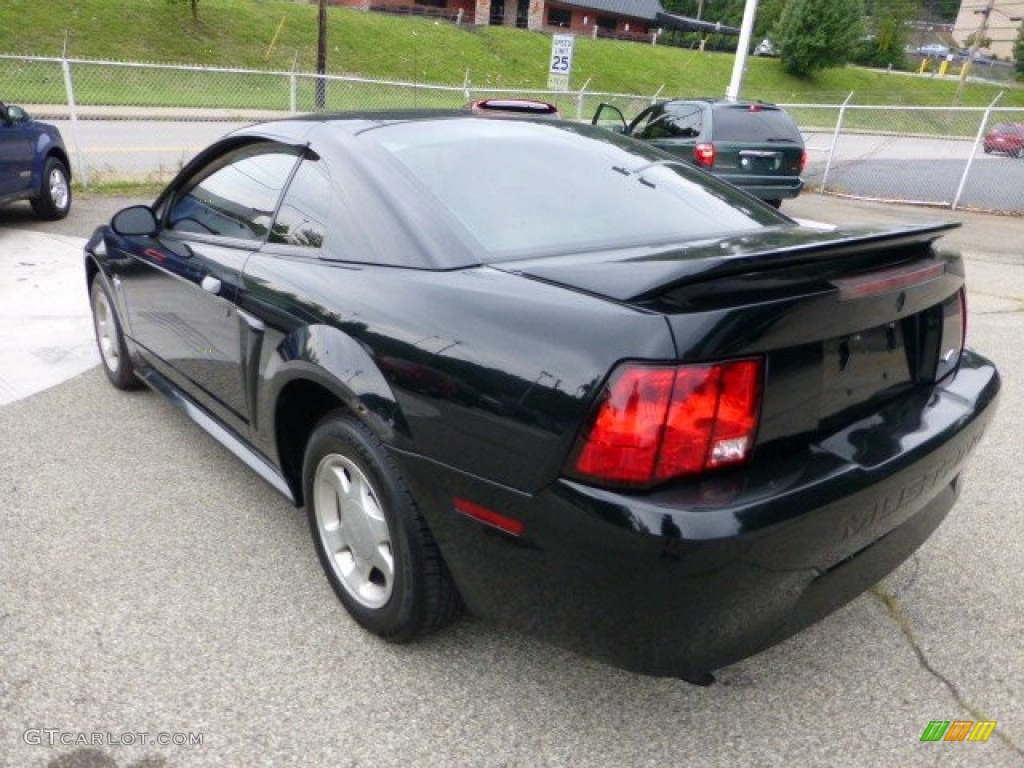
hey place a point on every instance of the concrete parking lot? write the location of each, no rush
(153, 589)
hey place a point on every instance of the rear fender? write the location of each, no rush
(339, 364)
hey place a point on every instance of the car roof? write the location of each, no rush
(295, 128)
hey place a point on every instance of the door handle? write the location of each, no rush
(211, 284)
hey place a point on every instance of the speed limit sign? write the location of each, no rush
(561, 62)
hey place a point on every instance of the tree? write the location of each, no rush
(983, 42)
(193, 3)
(1018, 52)
(887, 21)
(818, 34)
(768, 14)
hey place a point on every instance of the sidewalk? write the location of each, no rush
(982, 234)
(47, 334)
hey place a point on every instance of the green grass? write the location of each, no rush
(238, 33)
(144, 190)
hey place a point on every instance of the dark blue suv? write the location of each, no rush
(33, 164)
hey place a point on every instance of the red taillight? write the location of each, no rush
(655, 423)
(705, 154)
(803, 160)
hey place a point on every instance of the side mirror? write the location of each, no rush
(137, 220)
(16, 115)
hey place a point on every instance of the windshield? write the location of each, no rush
(524, 188)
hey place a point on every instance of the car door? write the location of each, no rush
(17, 147)
(181, 294)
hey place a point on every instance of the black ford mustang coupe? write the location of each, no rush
(553, 375)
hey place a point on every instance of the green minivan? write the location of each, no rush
(751, 144)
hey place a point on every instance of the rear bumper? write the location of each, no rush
(692, 578)
(768, 187)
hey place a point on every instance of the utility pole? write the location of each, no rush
(978, 35)
(746, 30)
(321, 56)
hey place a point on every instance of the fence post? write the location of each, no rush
(579, 101)
(465, 86)
(83, 173)
(293, 101)
(974, 150)
(657, 93)
(835, 140)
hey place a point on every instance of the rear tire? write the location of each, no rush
(54, 199)
(774, 203)
(1019, 153)
(109, 339)
(374, 545)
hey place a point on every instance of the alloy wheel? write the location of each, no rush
(106, 330)
(355, 535)
(59, 192)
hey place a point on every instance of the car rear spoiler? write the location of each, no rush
(637, 275)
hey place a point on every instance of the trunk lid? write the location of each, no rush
(845, 320)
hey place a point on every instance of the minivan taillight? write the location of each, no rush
(803, 160)
(704, 154)
(654, 423)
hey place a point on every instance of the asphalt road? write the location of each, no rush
(138, 149)
(995, 183)
(150, 583)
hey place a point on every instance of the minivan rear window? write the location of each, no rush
(753, 123)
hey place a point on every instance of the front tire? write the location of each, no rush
(1019, 153)
(54, 199)
(109, 339)
(374, 545)
(774, 203)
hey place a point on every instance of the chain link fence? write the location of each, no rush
(131, 121)
(924, 155)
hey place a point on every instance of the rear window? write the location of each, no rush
(742, 123)
(525, 188)
(1008, 128)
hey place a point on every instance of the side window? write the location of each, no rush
(304, 212)
(676, 122)
(236, 194)
(685, 122)
(641, 125)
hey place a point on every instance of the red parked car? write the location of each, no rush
(1006, 137)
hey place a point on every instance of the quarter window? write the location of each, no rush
(235, 195)
(302, 219)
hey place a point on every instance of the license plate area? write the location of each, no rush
(862, 368)
(760, 162)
